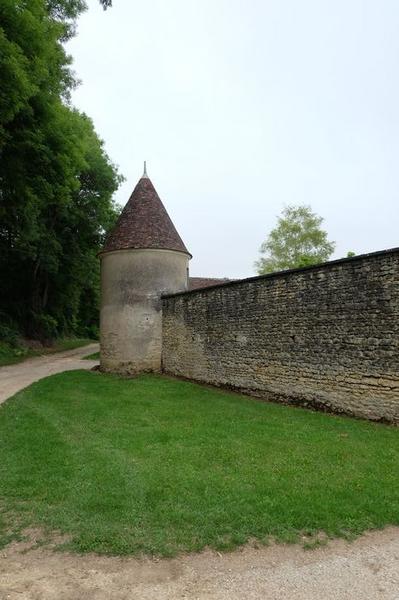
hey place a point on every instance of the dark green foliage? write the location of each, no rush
(160, 466)
(11, 353)
(9, 331)
(56, 181)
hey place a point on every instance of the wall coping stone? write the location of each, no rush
(278, 274)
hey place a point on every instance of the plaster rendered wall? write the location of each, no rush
(326, 336)
(132, 282)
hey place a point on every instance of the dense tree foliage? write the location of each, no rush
(56, 181)
(297, 241)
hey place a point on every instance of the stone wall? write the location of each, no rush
(325, 336)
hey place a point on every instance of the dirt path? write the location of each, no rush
(367, 569)
(16, 377)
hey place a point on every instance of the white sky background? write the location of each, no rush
(243, 106)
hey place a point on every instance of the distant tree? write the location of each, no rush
(297, 241)
(350, 254)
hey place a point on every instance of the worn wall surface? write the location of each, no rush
(132, 282)
(324, 336)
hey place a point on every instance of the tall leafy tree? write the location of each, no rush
(297, 241)
(56, 181)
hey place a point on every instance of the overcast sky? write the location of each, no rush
(243, 106)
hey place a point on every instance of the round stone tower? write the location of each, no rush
(143, 258)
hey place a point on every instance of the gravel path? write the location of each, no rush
(16, 377)
(366, 569)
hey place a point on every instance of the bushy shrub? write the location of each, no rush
(9, 332)
(46, 327)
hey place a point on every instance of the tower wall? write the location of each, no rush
(132, 282)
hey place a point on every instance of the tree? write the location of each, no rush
(56, 181)
(297, 241)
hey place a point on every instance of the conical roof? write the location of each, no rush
(144, 223)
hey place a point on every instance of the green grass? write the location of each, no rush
(159, 466)
(94, 356)
(10, 355)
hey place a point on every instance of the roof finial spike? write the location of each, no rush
(145, 169)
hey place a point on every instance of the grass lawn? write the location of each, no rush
(10, 355)
(94, 356)
(160, 466)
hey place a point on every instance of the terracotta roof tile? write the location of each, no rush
(144, 223)
(196, 283)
